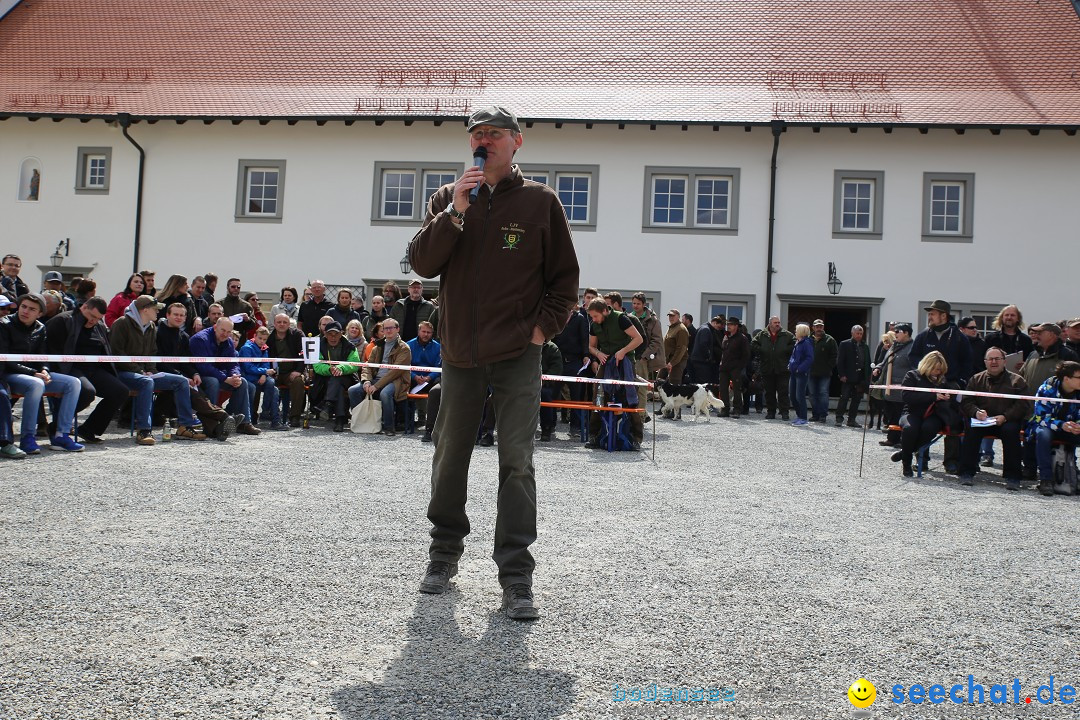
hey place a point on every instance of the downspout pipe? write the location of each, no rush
(125, 122)
(777, 128)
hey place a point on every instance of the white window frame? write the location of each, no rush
(243, 194)
(554, 173)
(965, 224)
(876, 180)
(747, 302)
(420, 172)
(690, 222)
(83, 174)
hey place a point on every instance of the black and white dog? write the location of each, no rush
(697, 397)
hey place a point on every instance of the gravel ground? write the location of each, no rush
(275, 577)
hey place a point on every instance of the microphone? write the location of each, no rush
(479, 157)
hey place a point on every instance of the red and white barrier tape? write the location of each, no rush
(973, 393)
(172, 359)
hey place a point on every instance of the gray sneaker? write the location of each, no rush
(518, 602)
(437, 577)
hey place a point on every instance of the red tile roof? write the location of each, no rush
(953, 62)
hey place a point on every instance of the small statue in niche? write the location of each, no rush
(35, 186)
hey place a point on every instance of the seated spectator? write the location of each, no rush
(173, 341)
(83, 332)
(412, 310)
(550, 390)
(1055, 421)
(323, 322)
(1009, 416)
(213, 312)
(252, 299)
(311, 310)
(1041, 364)
(287, 305)
(377, 315)
(216, 341)
(6, 306)
(86, 288)
(54, 280)
(426, 352)
(373, 338)
(10, 282)
(285, 342)
(262, 376)
(354, 335)
(23, 333)
(235, 307)
(54, 304)
(8, 449)
(122, 299)
(136, 334)
(343, 313)
(199, 303)
(72, 286)
(928, 413)
(176, 291)
(390, 386)
(337, 372)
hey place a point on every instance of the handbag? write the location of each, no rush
(1064, 471)
(367, 416)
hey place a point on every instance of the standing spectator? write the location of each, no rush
(928, 413)
(771, 349)
(286, 305)
(587, 297)
(86, 288)
(176, 291)
(1009, 416)
(285, 342)
(894, 367)
(706, 351)
(735, 356)
(1055, 421)
(875, 398)
(612, 341)
(573, 343)
(426, 352)
(412, 310)
(391, 386)
(1072, 335)
(237, 309)
(978, 345)
(54, 281)
(136, 334)
(211, 288)
(1009, 334)
(853, 366)
(377, 315)
(216, 341)
(825, 354)
(83, 332)
(391, 293)
(676, 347)
(550, 390)
(307, 320)
(1042, 362)
(802, 358)
(652, 353)
(343, 312)
(23, 334)
(122, 299)
(262, 376)
(10, 282)
(149, 288)
(199, 302)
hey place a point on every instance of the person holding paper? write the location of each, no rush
(1006, 418)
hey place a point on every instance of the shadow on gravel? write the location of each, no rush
(442, 673)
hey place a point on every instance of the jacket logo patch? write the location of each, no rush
(512, 236)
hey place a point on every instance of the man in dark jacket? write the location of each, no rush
(10, 283)
(978, 345)
(733, 361)
(412, 310)
(771, 349)
(517, 232)
(307, 319)
(23, 333)
(83, 332)
(573, 343)
(825, 354)
(706, 351)
(941, 334)
(1008, 416)
(1008, 334)
(216, 341)
(285, 342)
(853, 367)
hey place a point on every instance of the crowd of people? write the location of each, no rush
(772, 370)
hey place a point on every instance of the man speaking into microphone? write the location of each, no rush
(509, 278)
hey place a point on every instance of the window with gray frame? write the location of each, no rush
(92, 169)
(857, 203)
(402, 189)
(948, 207)
(575, 186)
(698, 200)
(260, 191)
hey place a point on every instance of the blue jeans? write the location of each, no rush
(143, 385)
(270, 397)
(7, 434)
(819, 395)
(987, 447)
(180, 388)
(386, 397)
(32, 388)
(797, 392)
(239, 403)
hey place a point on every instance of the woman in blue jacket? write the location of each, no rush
(802, 357)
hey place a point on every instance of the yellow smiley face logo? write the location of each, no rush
(862, 693)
